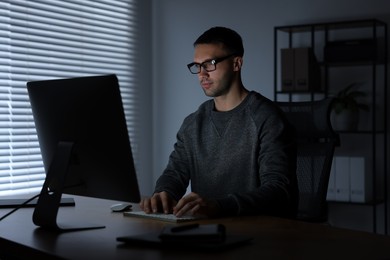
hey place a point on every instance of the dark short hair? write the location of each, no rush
(231, 40)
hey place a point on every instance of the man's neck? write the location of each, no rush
(230, 100)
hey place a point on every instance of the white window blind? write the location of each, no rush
(47, 39)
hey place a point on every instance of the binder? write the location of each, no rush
(287, 71)
(331, 194)
(300, 70)
(306, 70)
(342, 165)
(360, 185)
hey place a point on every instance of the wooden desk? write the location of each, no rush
(273, 238)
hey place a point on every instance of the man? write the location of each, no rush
(237, 150)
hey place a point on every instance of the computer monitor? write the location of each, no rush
(84, 143)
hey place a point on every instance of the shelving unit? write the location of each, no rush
(368, 69)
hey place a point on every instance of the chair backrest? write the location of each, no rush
(316, 142)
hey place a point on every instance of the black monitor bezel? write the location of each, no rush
(81, 125)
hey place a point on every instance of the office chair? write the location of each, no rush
(316, 142)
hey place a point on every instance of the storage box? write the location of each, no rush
(357, 50)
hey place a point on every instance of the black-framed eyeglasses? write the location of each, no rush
(208, 65)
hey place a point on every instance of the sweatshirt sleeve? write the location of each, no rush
(175, 178)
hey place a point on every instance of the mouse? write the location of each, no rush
(120, 207)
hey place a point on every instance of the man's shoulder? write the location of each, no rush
(265, 111)
(258, 103)
(202, 111)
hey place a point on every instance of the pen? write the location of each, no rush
(184, 227)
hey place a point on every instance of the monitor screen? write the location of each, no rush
(84, 141)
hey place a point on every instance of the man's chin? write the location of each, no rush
(208, 93)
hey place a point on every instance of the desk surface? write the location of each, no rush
(273, 238)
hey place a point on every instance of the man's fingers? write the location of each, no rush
(166, 202)
(188, 205)
(145, 205)
(155, 202)
(159, 202)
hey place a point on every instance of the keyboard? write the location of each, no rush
(160, 216)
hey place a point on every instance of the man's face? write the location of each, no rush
(218, 82)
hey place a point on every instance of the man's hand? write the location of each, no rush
(159, 202)
(193, 204)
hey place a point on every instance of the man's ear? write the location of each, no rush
(238, 61)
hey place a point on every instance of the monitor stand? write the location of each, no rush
(46, 210)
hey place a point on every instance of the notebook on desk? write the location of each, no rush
(160, 216)
(189, 237)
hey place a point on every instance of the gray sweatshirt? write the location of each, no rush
(245, 159)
